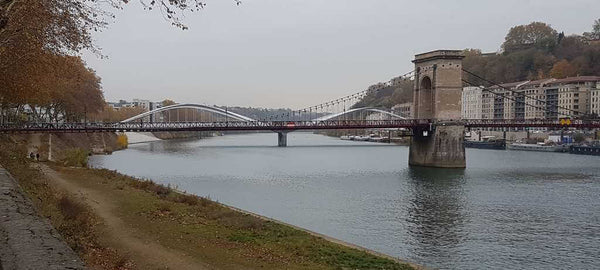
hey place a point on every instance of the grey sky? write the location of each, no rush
(296, 53)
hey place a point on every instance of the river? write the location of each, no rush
(507, 210)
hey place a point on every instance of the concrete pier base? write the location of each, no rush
(440, 148)
(282, 138)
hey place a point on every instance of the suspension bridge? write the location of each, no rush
(437, 130)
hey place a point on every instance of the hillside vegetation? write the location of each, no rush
(529, 52)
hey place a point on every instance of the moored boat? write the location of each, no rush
(487, 143)
(538, 147)
(585, 149)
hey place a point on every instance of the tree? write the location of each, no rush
(65, 26)
(39, 41)
(535, 34)
(570, 47)
(563, 69)
(168, 102)
(595, 34)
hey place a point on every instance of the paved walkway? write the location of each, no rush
(28, 241)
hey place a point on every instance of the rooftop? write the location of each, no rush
(578, 79)
(535, 83)
(509, 85)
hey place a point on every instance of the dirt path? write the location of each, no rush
(146, 254)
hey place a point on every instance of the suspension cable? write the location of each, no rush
(357, 95)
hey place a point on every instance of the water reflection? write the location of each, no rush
(436, 214)
(179, 146)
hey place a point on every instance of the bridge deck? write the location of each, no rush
(283, 125)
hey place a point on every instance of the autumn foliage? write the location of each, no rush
(537, 51)
(41, 78)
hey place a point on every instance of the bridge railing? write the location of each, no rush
(549, 123)
(233, 125)
(287, 125)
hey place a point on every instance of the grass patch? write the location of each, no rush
(228, 235)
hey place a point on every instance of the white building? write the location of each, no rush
(403, 109)
(142, 103)
(121, 104)
(472, 103)
(530, 102)
(595, 100)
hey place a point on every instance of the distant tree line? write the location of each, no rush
(537, 51)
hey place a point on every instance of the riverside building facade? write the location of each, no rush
(539, 99)
(472, 102)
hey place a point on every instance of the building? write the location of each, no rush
(472, 103)
(377, 116)
(595, 100)
(142, 103)
(551, 97)
(503, 101)
(121, 104)
(487, 105)
(403, 109)
(530, 99)
(575, 95)
(540, 99)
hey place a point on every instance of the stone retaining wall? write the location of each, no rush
(28, 241)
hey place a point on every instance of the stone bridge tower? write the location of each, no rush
(437, 96)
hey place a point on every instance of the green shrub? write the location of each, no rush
(76, 157)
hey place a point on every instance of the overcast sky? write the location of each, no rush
(296, 53)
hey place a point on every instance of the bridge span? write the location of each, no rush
(412, 124)
(437, 131)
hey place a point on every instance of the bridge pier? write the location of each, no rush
(442, 147)
(437, 96)
(282, 138)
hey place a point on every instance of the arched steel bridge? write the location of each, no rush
(364, 109)
(211, 109)
(231, 121)
(236, 122)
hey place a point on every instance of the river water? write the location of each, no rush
(507, 210)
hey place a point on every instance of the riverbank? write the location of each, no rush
(115, 221)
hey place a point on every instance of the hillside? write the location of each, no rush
(529, 52)
(388, 96)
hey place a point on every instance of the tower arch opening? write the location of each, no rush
(426, 99)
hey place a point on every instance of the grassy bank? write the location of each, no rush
(217, 234)
(73, 219)
(204, 231)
